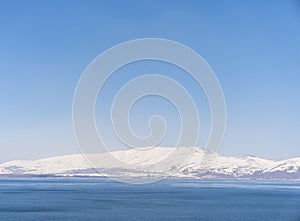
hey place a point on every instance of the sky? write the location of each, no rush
(252, 46)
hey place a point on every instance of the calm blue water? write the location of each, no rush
(98, 199)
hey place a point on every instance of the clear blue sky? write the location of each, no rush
(253, 47)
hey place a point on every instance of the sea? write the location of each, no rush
(37, 199)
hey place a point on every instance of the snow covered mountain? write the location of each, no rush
(214, 167)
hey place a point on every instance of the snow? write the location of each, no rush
(202, 164)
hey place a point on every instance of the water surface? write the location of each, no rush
(100, 199)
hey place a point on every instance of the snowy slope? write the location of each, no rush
(212, 166)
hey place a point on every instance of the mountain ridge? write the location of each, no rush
(216, 167)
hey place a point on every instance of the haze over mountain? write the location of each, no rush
(217, 167)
